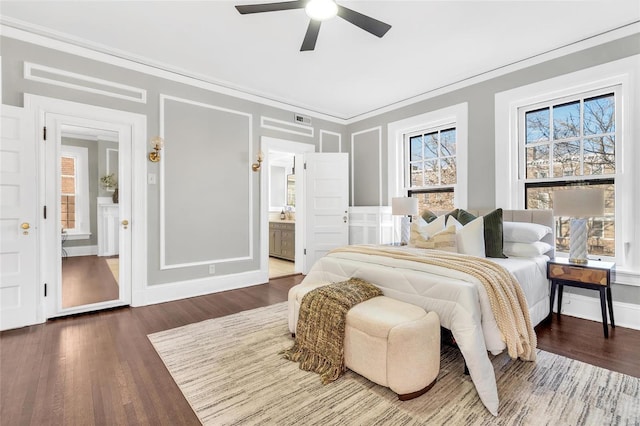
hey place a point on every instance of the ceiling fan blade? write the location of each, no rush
(270, 7)
(310, 38)
(367, 23)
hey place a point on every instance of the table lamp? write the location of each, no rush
(579, 204)
(405, 207)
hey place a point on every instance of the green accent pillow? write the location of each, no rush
(493, 237)
(430, 216)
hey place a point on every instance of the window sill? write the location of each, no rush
(78, 236)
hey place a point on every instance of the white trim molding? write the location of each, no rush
(249, 256)
(62, 78)
(285, 126)
(576, 305)
(75, 251)
(353, 140)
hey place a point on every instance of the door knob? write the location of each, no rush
(344, 218)
(125, 223)
(25, 226)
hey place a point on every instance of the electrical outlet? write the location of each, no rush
(212, 269)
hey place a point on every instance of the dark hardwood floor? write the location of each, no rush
(101, 369)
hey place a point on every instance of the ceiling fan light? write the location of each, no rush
(320, 10)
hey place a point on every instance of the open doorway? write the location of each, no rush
(89, 211)
(282, 213)
(281, 208)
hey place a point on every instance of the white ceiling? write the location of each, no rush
(432, 44)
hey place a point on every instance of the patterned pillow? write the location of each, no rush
(421, 230)
(430, 216)
(444, 240)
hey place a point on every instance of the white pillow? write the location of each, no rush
(534, 249)
(524, 232)
(422, 231)
(470, 237)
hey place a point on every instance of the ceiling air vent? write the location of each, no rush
(301, 119)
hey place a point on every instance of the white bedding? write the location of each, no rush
(459, 299)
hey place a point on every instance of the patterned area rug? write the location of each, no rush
(230, 372)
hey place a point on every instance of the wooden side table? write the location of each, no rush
(595, 275)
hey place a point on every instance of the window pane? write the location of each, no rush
(599, 157)
(431, 145)
(448, 142)
(68, 166)
(417, 174)
(448, 171)
(601, 230)
(415, 143)
(68, 185)
(538, 162)
(434, 201)
(431, 172)
(566, 120)
(599, 116)
(566, 159)
(537, 125)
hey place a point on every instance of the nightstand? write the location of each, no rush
(594, 275)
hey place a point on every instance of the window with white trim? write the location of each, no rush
(572, 142)
(431, 167)
(74, 191)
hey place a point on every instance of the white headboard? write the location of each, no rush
(543, 217)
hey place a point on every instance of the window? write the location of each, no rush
(571, 142)
(431, 167)
(68, 192)
(74, 191)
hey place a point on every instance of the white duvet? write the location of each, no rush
(459, 299)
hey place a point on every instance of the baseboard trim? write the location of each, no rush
(625, 314)
(160, 293)
(81, 251)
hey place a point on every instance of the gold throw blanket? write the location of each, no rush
(319, 344)
(506, 297)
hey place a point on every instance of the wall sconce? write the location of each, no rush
(256, 166)
(157, 144)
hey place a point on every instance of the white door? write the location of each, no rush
(18, 221)
(326, 180)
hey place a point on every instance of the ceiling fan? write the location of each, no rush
(318, 11)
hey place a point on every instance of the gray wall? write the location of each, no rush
(480, 98)
(198, 197)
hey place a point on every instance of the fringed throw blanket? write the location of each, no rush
(319, 344)
(506, 297)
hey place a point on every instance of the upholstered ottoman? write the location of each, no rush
(394, 344)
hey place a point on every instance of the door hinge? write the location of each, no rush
(305, 251)
(44, 133)
(305, 166)
(44, 212)
(45, 289)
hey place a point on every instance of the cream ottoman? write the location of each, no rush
(394, 344)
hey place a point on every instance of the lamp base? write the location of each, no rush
(405, 230)
(578, 242)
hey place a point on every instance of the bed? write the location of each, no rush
(461, 302)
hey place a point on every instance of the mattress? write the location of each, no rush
(460, 301)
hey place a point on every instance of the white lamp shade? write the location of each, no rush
(579, 202)
(404, 206)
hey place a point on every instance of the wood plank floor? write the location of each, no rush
(87, 279)
(101, 369)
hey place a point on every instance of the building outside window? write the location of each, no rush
(431, 167)
(68, 192)
(571, 142)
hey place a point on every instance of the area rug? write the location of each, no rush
(114, 267)
(230, 371)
